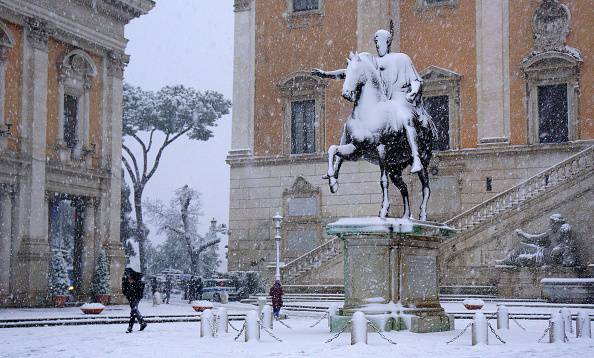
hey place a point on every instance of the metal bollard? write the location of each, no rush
(206, 322)
(582, 325)
(222, 320)
(267, 320)
(566, 314)
(480, 330)
(358, 328)
(252, 327)
(261, 304)
(502, 317)
(331, 313)
(556, 328)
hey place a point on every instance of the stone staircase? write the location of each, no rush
(311, 260)
(548, 179)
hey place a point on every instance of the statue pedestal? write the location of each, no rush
(390, 273)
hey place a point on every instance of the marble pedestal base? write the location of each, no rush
(390, 273)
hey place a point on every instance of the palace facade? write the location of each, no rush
(509, 86)
(61, 71)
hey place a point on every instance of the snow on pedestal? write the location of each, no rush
(222, 320)
(582, 325)
(206, 324)
(480, 332)
(502, 317)
(267, 317)
(556, 328)
(252, 327)
(566, 314)
(358, 328)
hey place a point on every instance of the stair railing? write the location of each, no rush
(549, 178)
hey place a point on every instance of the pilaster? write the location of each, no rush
(242, 131)
(33, 253)
(492, 37)
(372, 15)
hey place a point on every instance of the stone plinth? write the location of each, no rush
(525, 282)
(390, 270)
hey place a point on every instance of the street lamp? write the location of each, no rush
(277, 237)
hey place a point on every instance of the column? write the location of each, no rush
(87, 259)
(242, 131)
(372, 15)
(33, 251)
(5, 241)
(109, 203)
(492, 46)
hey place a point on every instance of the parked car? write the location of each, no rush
(215, 288)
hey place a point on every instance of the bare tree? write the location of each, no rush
(178, 221)
(173, 111)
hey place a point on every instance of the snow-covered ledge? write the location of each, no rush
(568, 290)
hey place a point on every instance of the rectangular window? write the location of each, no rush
(305, 5)
(70, 114)
(303, 115)
(439, 109)
(552, 114)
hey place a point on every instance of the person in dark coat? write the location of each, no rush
(276, 292)
(199, 287)
(168, 287)
(133, 289)
(191, 289)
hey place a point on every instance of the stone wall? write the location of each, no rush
(458, 182)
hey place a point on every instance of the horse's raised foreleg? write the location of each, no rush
(401, 185)
(384, 183)
(336, 153)
(424, 177)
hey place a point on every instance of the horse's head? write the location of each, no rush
(355, 77)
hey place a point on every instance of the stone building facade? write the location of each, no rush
(509, 84)
(61, 72)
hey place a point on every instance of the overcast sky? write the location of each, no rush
(188, 42)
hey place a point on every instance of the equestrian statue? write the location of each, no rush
(389, 125)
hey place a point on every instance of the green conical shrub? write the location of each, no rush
(101, 281)
(58, 276)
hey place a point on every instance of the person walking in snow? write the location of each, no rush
(133, 289)
(155, 291)
(168, 286)
(276, 292)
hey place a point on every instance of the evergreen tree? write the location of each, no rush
(101, 282)
(58, 276)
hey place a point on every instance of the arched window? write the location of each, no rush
(303, 99)
(75, 75)
(552, 93)
(6, 43)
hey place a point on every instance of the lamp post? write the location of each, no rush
(277, 237)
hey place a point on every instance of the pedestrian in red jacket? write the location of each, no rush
(276, 292)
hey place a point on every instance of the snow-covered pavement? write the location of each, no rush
(182, 340)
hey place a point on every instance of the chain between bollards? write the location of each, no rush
(518, 323)
(544, 334)
(241, 331)
(284, 324)
(380, 333)
(339, 333)
(459, 334)
(320, 320)
(495, 333)
(269, 333)
(230, 325)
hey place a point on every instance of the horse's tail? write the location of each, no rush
(426, 120)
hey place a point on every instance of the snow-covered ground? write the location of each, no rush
(182, 340)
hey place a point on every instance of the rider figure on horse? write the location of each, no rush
(398, 75)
